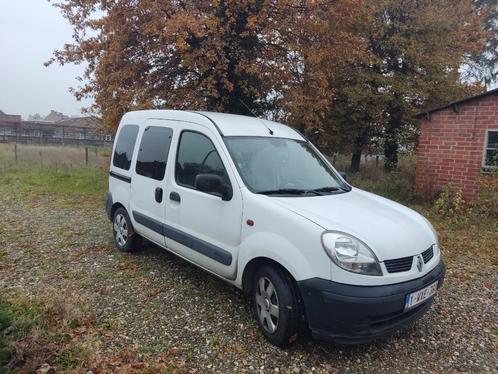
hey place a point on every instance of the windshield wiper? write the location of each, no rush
(327, 189)
(289, 191)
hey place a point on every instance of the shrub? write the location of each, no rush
(486, 204)
(451, 204)
(396, 185)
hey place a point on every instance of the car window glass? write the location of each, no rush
(125, 145)
(267, 163)
(197, 155)
(153, 152)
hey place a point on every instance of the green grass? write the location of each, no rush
(81, 181)
(372, 177)
(392, 186)
(5, 322)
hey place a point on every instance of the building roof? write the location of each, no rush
(12, 119)
(54, 116)
(89, 122)
(457, 102)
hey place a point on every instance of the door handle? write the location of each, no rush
(159, 194)
(175, 196)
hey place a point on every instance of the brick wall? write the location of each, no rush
(451, 146)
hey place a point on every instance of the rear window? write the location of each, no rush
(125, 145)
(153, 152)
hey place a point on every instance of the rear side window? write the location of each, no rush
(197, 155)
(153, 152)
(125, 145)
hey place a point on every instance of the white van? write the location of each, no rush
(256, 204)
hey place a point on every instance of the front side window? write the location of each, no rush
(491, 151)
(125, 144)
(282, 166)
(197, 155)
(153, 152)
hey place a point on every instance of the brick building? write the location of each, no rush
(458, 143)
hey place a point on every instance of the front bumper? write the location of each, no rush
(355, 314)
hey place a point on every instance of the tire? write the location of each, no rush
(125, 238)
(278, 306)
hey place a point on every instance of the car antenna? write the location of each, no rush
(254, 115)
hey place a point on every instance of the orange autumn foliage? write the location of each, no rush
(213, 55)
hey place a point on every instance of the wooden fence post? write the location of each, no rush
(15, 151)
(86, 156)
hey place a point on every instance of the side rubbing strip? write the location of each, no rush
(148, 222)
(198, 245)
(123, 178)
(207, 249)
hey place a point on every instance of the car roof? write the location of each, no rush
(226, 124)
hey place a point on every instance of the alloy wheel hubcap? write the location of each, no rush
(267, 304)
(121, 229)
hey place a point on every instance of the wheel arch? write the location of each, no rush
(252, 267)
(115, 207)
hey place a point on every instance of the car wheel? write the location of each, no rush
(125, 238)
(278, 306)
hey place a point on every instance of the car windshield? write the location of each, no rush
(282, 166)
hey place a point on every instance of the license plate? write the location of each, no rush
(420, 296)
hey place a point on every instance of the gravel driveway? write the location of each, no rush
(158, 306)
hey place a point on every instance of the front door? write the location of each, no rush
(201, 226)
(148, 181)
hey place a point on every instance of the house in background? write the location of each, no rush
(54, 116)
(55, 128)
(8, 125)
(458, 143)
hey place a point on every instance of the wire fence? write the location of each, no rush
(68, 156)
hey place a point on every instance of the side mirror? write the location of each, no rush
(213, 184)
(343, 175)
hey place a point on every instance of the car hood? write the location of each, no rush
(390, 229)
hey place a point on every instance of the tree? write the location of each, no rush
(413, 51)
(356, 119)
(226, 55)
(323, 42)
(420, 47)
(214, 55)
(484, 66)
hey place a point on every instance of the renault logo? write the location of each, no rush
(420, 262)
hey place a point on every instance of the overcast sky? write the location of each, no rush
(30, 30)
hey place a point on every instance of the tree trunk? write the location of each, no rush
(355, 160)
(359, 143)
(390, 154)
(391, 140)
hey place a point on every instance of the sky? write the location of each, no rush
(30, 30)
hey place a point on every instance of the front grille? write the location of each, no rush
(428, 254)
(399, 264)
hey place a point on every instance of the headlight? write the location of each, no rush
(436, 249)
(350, 253)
